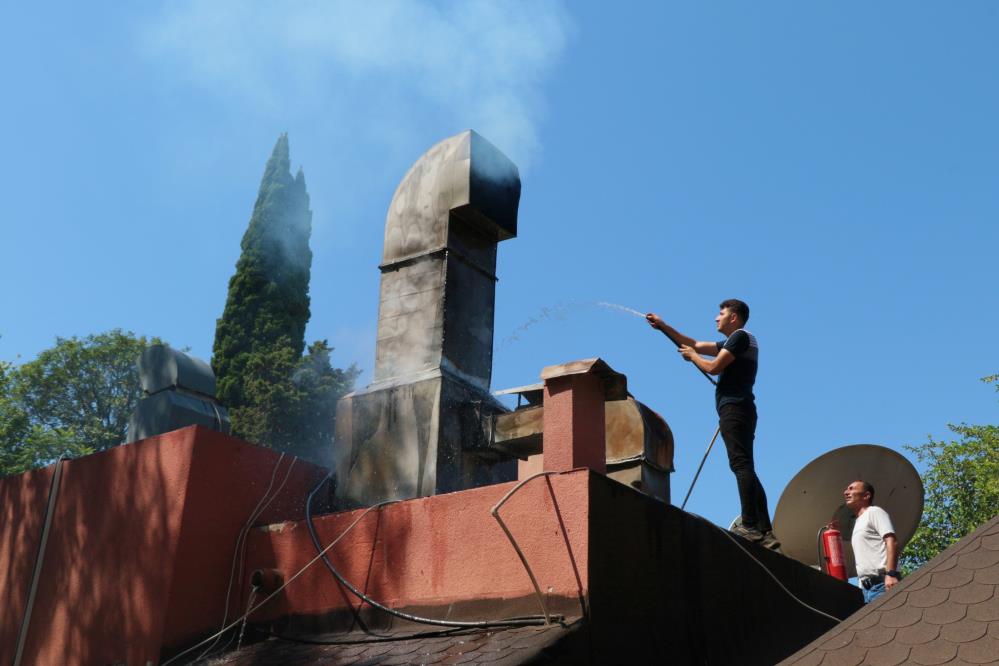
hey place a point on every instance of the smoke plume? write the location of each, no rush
(479, 64)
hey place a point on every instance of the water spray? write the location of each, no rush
(559, 311)
(622, 308)
(632, 311)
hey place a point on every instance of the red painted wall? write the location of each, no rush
(143, 538)
(440, 550)
(140, 546)
(660, 584)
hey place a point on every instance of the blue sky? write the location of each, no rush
(835, 165)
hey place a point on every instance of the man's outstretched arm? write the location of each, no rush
(656, 322)
(712, 366)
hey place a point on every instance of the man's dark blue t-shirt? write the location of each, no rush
(735, 384)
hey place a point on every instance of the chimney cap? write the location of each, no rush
(615, 384)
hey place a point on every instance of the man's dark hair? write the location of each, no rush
(868, 488)
(738, 307)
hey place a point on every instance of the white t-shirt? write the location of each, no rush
(868, 541)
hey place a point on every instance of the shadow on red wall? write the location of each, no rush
(140, 547)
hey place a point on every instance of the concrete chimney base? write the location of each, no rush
(414, 439)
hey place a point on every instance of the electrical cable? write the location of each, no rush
(513, 622)
(530, 620)
(699, 468)
(239, 549)
(465, 627)
(523, 559)
(456, 631)
(769, 573)
(259, 512)
(39, 558)
(279, 589)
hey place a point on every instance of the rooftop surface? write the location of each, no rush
(945, 613)
(513, 645)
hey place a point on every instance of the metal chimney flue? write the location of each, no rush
(421, 427)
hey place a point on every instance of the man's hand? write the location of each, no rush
(688, 352)
(678, 338)
(890, 582)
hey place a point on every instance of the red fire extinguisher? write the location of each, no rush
(832, 553)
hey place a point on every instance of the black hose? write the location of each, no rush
(319, 548)
(530, 620)
(706, 375)
(456, 631)
(823, 567)
(755, 559)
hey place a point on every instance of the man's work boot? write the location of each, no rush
(770, 541)
(747, 533)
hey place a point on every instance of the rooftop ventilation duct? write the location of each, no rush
(179, 391)
(421, 427)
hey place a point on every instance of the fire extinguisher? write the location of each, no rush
(832, 552)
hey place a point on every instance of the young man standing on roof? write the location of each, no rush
(875, 548)
(735, 359)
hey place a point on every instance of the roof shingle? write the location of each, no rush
(945, 613)
(514, 645)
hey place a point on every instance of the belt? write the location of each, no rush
(867, 582)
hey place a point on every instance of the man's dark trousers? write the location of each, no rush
(737, 421)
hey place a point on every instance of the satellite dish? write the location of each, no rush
(814, 497)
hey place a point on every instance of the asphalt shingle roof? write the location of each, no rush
(497, 647)
(945, 613)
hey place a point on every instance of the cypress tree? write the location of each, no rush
(260, 338)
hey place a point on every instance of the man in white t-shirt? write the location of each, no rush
(875, 548)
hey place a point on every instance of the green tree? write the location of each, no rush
(271, 389)
(319, 386)
(13, 423)
(961, 486)
(74, 399)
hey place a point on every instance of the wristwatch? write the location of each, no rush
(894, 573)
